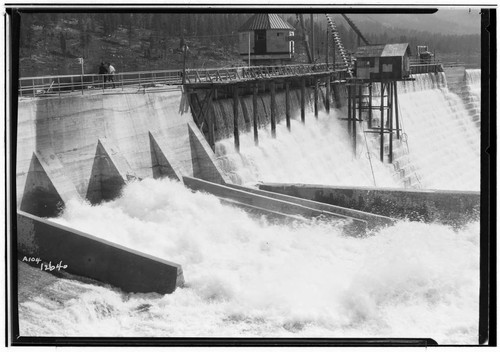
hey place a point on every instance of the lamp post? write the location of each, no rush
(80, 61)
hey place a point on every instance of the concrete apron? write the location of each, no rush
(454, 208)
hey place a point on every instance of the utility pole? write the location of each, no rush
(306, 38)
(312, 37)
(249, 49)
(327, 47)
(184, 66)
(184, 51)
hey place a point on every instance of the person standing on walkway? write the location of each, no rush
(103, 71)
(111, 71)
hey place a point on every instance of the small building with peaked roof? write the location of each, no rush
(383, 62)
(265, 39)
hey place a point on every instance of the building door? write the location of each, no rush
(260, 42)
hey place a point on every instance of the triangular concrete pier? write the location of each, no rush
(47, 189)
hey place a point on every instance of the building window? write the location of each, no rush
(386, 67)
(279, 34)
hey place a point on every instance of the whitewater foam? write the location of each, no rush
(246, 277)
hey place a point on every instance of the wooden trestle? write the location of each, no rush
(360, 108)
(202, 95)
(360, 94)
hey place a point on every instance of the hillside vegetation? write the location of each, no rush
(50, 43)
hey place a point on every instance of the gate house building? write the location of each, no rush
(383, 62)
(268, 38)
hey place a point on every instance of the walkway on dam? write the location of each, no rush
(56, 85)
(50, 86)
(101, 90)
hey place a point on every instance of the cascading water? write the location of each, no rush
(472, 96)
(318, 152)
(246, 277)
(442, 139)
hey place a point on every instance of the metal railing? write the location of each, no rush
(425, 66)
(56, 85)
(290, 70)
(257, 72)
(415, 62)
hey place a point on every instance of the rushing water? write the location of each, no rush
(318, 152)
(441, 135)
(246, 277)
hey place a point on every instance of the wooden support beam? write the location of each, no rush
(381, 121)
(196, 102)
(390, 103)
(204, 107)
(353, 121)
(370, 105)
(255, 116)
(386, 130)
(303, 100)
(287, 105)
(327, 102)
(211, 124)
(235, 119)
(316, 89)
(360, 102)
(246, 118)
(349, 103)
(375, 107)
(273, 109)
(344, 118)
(396, 108)
(336, 94)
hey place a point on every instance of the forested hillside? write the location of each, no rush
(50, 43)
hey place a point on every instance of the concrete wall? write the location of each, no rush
(448, 207)
(81, 254)
(271, 204)
(370, 220)
(101, 141)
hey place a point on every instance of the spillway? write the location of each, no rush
(439, 148)
(248, 276)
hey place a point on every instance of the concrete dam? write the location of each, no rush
(137, 190)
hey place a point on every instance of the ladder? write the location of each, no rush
(339, 45)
